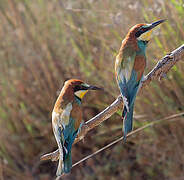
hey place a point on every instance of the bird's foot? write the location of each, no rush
(142, 81)
(143, 78)
(83, 130)
(80, 126)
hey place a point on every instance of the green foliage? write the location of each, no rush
(43, 43)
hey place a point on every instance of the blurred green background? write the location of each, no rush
(43, 43)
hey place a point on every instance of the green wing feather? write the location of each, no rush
(126, 64)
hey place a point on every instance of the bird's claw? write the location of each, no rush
(79, 130)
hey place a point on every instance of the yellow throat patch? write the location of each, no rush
(81, 93)
(145, 36)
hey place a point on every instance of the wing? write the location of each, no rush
(60, 120)
(124, 68)
(124, 64)
(66, 124)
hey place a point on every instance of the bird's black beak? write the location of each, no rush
(94, 88)
(155, 24)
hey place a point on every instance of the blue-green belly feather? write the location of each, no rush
(69, 134)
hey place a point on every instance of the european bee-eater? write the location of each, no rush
(129, 68)
(67, 120)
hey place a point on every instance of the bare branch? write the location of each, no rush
(164, 65)
(158, 72)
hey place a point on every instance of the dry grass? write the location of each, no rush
(46, 42)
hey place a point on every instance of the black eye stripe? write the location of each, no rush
(142, 30)
(78, 88)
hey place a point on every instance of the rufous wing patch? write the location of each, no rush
(139, 66)
(76, 114)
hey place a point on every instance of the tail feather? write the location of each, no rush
(61, 154)
(67, 163)
(127, 121)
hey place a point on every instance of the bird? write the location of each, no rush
(130, 64)
(67, 120)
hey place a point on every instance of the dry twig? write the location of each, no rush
(158, 72)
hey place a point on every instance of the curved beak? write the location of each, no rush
(94, 88)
